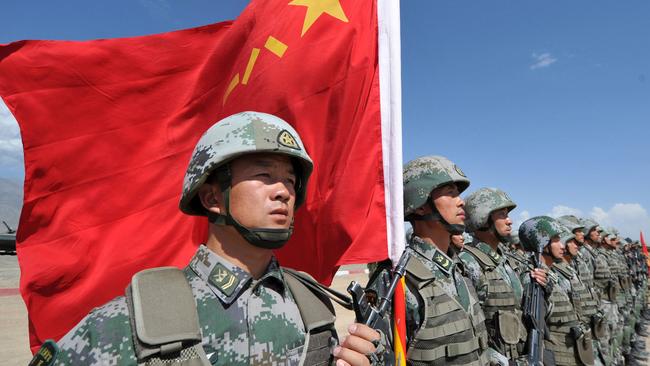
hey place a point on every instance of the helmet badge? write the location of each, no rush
(286, 139)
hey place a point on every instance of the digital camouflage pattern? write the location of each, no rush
(499, 291)
(440, 311)
(237, 135)
(589, 225)
(571, 222)
(480, 204)
(243, 321)
(425, 174)
(536, 232)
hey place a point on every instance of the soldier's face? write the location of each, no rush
(502, 222)
(580, 235)
(448, 202)
(572, 247)
(263, 192)
(557, 247)
(594, 235)
(458, 240)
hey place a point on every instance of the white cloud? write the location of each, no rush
(11, 147)
(628, 218)
(561, 210)
(542, 60)
(516, 221)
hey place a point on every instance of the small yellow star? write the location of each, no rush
(315, 8)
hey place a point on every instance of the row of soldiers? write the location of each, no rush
(234, 304)
(470, 279)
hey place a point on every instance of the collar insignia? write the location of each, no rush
(223, 279)
(442, 262)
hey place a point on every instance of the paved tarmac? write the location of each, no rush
(14, 341)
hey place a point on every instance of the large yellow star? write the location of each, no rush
(315, 8)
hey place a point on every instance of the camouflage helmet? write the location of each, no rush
(423, 175)
(237, 135)
(536, 233)
(566, 234)
(480, 204)
(588, 225)
(571, 222)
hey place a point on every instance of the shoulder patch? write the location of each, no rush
(45, 355)
(442, 262)
(223, 279)
(286, 139)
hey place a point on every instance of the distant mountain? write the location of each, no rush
(11, 201)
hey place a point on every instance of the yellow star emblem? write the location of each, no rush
(316, 8)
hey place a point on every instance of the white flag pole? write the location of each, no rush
(390, 89)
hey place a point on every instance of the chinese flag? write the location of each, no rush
(108, 127)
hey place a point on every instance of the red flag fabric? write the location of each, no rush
(108, 127)
(643, 246)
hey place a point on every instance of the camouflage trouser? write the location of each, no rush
(609, 343)
(597, 360)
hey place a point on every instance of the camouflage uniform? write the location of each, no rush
(444, 297)
(496, 282)
(219, 314)
(445, 324)
(561, 318)
(243, 321)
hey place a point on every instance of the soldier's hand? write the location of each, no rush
(353, 349)
(539, 275)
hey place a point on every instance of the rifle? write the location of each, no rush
(533, 316)
(368, 311)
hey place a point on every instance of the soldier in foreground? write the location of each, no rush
(497, 283)
(444, 322)
(233, 304)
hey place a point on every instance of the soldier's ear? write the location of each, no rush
(210, 197)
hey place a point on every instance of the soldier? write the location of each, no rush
(233, 304)
(497, 283)
(584, 299)
(444, 321)
(606, 284)
(565, 330)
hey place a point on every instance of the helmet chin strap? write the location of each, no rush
(260, 237)
(453, 229)
(495, 232)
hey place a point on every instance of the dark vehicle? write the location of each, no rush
(8, 241)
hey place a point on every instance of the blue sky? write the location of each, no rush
(549, 101)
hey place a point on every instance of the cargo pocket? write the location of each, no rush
(509, 325)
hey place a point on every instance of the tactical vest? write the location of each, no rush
(585, 303)
(449, 335)
(603, 277)
(176, 341)
(618, 275)
(502, 308)
(560, 322)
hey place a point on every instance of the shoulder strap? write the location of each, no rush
(484, 260)
(163, 316)
(312, 299)
(566, 272)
